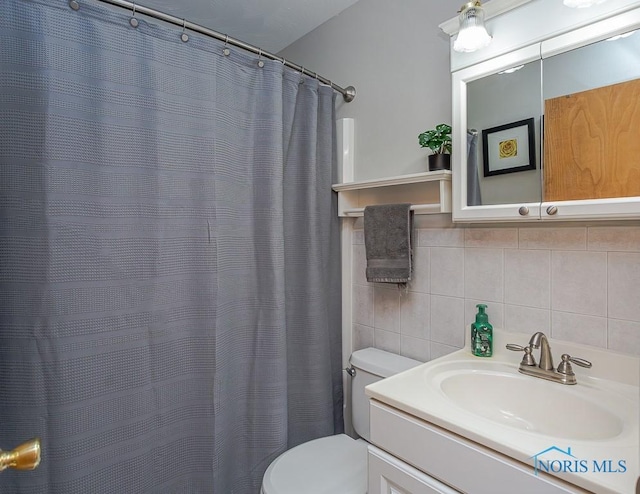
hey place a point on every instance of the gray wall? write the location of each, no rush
(404, 88)
(395, 55)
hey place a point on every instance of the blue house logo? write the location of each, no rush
(546, 465)
(555, 460)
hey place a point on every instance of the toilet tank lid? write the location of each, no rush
(381, 363)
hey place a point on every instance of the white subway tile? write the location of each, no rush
(506, 238)
(387, 341)
(624, 336)
(415, 313)
(527, 278)
(447, 271)
(578, 328)
(362, 337)
(567, 238)
(579, 282)
(387, 308)
(420, 279)
(440, 350)
(363, 305)
(526, 320)
(447, 320)
(415, 348)
(441, 237)
(624, 285)
(614, 238)
(484, 274)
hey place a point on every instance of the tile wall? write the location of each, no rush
(575, 283)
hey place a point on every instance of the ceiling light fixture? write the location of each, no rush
(472, 34)
(581, 4)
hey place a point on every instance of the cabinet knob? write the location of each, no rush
(524, 210)
(551, 210)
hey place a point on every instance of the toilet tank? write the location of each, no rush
(371, 365)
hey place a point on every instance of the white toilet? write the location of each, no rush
(336, 464)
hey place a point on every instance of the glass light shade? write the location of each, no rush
(472, 35)
(581, 4)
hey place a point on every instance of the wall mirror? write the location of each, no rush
(581, 93)
(493, 102)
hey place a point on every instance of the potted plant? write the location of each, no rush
(439, 141)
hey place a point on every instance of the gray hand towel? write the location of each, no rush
(387, 242)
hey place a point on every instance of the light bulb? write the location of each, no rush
(472, 35)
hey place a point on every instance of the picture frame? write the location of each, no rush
(509, 148)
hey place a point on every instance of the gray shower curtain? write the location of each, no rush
(169, 256)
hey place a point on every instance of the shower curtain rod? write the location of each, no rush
(348, 93)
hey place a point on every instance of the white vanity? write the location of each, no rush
(468, 424)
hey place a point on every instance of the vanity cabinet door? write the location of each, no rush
(388, 475)
(458, 461)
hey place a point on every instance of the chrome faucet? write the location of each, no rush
(539, 340)
(545, 370)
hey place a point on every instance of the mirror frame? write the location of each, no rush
(615, 208)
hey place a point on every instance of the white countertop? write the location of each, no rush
(417, 393)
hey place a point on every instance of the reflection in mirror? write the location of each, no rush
(592, 121)
(496, 102)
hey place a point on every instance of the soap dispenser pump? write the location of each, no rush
(482, 334)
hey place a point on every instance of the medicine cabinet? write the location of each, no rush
(554, 127)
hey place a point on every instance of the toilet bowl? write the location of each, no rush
(336, 464)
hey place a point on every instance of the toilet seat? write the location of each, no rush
(329, 465)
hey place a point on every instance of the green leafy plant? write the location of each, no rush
(438, 139)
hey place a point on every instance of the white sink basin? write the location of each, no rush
(488, 402)
(531, 404)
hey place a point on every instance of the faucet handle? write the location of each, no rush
(578, 361)
(565, 366)
(528, 358)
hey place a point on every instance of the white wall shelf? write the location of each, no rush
(428, 192)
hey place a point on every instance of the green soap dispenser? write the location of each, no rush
(482, 334)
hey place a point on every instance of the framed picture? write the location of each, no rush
(509, 148)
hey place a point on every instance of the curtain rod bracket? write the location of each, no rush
(349, 94)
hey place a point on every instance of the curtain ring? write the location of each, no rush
(133, 21)
(184, 36)
(226, 52)
(260, 62)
